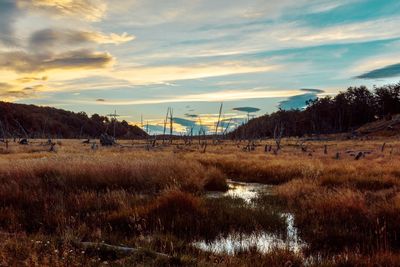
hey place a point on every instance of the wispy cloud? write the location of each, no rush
(157, 74)
(371, 62)
(53, 38)
(91, 10)
(31, 63)
(247, 109)
(8, 15)
(230, 95)
(300, 101)
(385, 72)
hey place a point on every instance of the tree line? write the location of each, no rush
(344, 112)
(30, 121)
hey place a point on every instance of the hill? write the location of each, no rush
(388, 126)
(30, 121)
(344, 113)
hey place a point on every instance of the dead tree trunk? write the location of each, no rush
(165, 125)
(218, 122)
(23, 129)
(171, 121)
(204, 147)
(3, 133)
(278, 133)
(359, 156)
(383, 147)
(107, 140)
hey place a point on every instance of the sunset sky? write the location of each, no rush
(140, 57)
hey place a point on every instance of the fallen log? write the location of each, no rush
(359, 155)
(120, 250)
(24, 141)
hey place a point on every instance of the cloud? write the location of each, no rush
(214, 13)
(8, 15)
(299, 101)
(351, 32)
(159, 74)
(52, 38)
(111, 38)
(189, 125)
(317, 91)
(12, 92)
(184, 122)
(247, 109)
(191, 115)
(81, 59)
(385, 72)
(218, 96)
(373, 61)
(157, 129)
(231, 123)
(90, 10)
(5, 86)
(28, 79)
(261, 36)
(52, 55)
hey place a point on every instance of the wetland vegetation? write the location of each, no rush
(178, 206)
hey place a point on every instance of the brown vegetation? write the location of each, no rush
(346, 210)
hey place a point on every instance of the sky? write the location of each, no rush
(141, 57)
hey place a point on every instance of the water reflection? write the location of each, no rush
(262, 241)
(245, 191)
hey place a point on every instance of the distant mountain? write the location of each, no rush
(19, 120)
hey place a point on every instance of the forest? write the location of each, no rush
(29, 121)
(344, 112)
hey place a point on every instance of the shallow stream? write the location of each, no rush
(262, 241)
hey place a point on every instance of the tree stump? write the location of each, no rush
(107, 140)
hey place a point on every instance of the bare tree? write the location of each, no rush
(171, 121)
(218, 122)
(227, 127)
(165, 124)
(4, 135)
(278, 133)
(22, 128)
(44, 127)
(219, 119)
(113, 119)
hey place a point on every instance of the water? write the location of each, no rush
(262, 241)
(245, 191)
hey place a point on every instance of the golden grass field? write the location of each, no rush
(154, 199)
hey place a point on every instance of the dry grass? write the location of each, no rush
(347, 210)
(349, 205)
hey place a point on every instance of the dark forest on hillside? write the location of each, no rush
(29, 121)
(344, 112)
